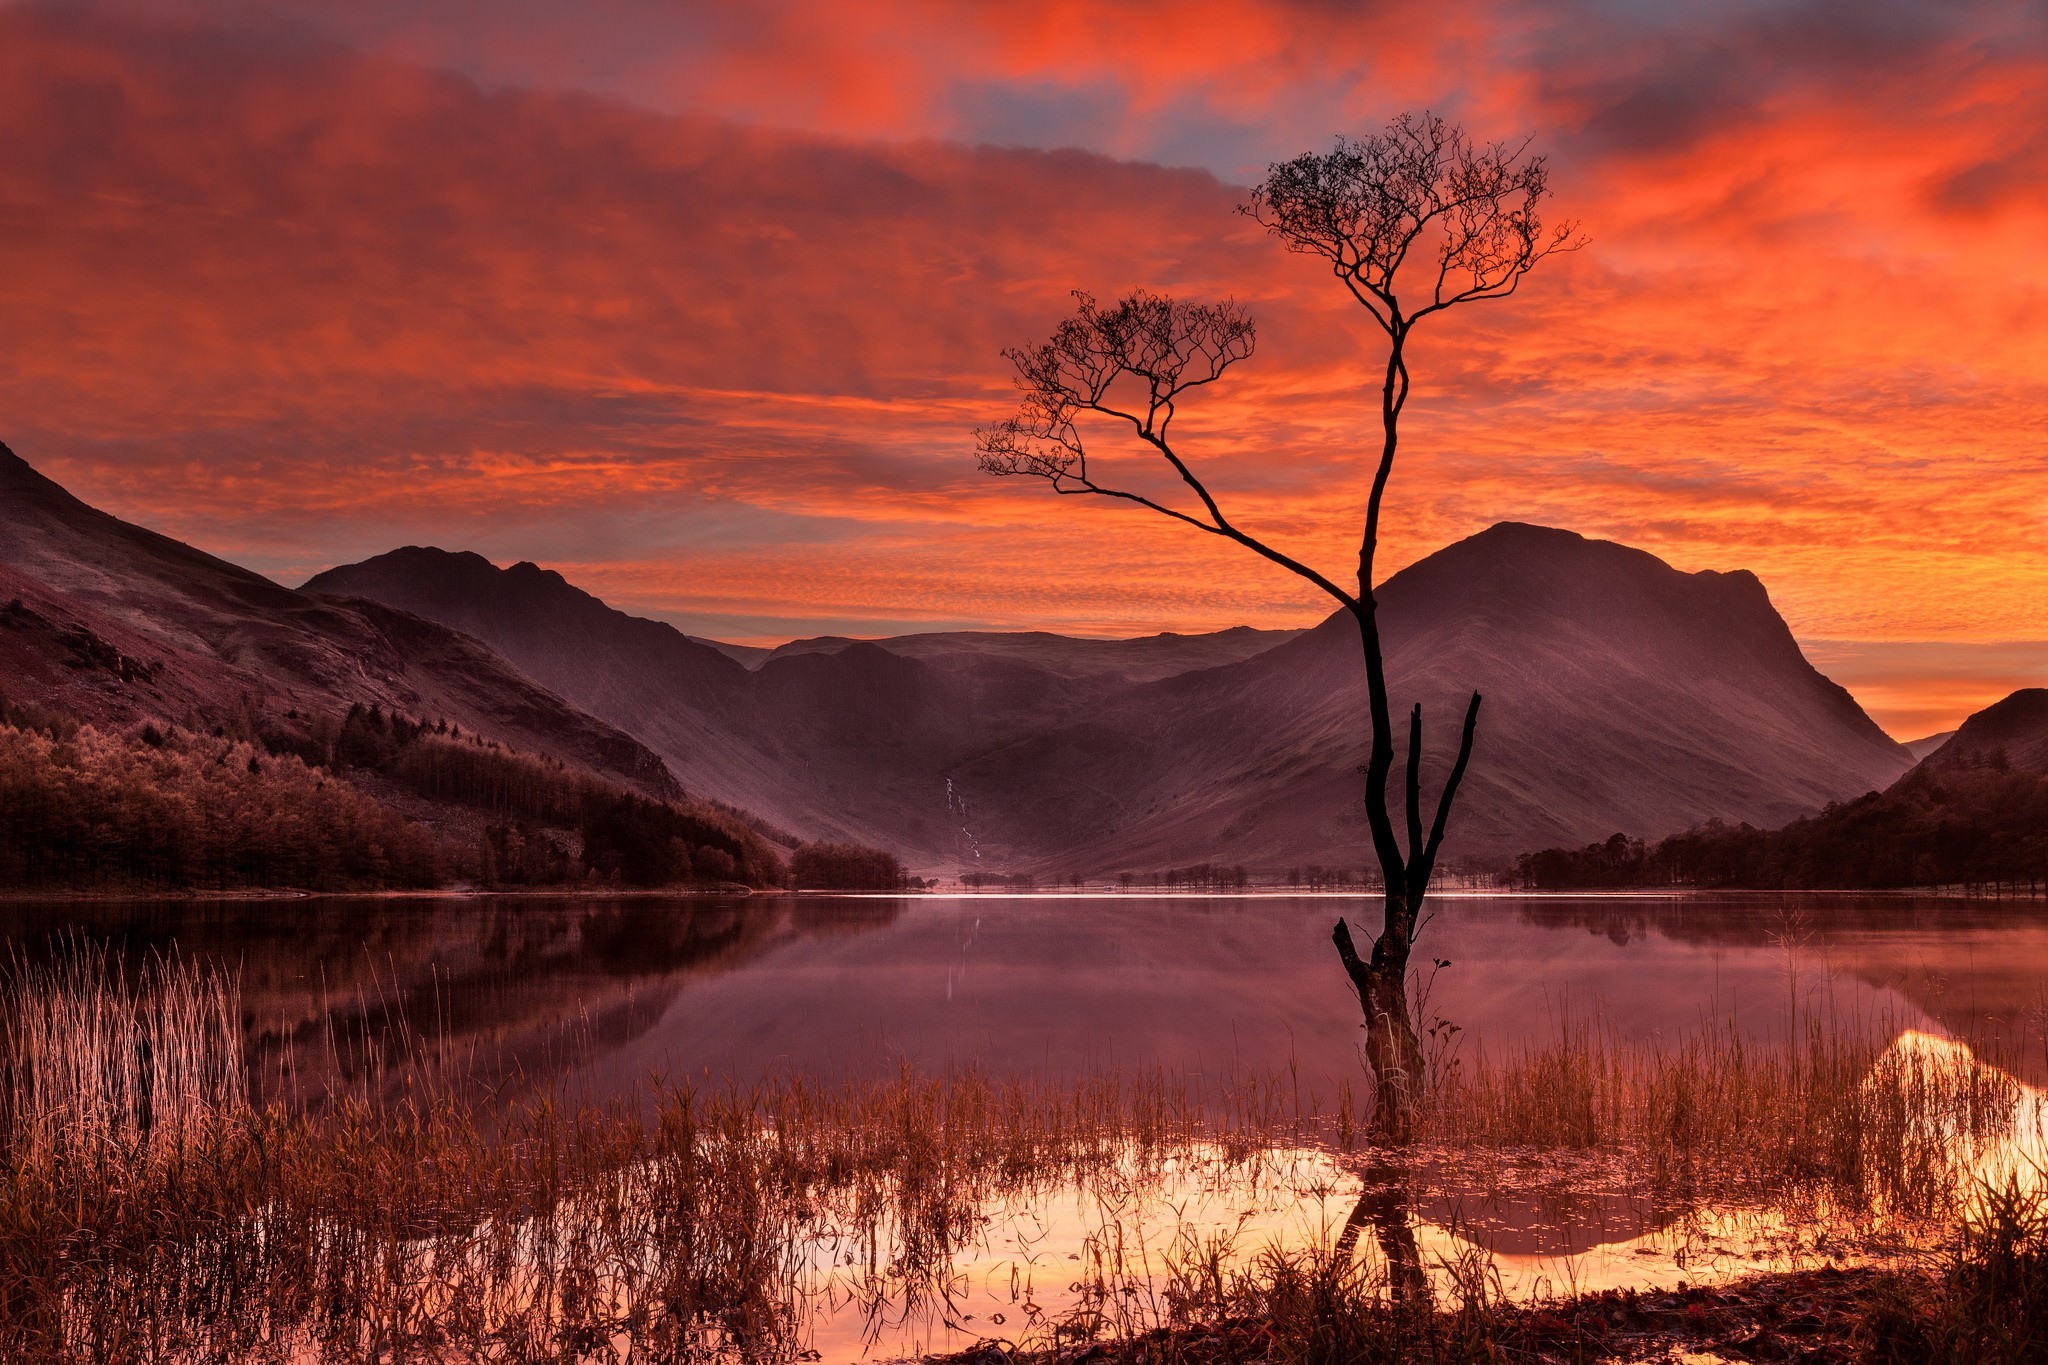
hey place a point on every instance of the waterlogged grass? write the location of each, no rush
(149, 1212)
(96, 1058)
(1895, 1129)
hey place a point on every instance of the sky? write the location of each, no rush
(700, 304)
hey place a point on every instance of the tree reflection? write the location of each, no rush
(1385, 1205)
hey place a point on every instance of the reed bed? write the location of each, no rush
(98, 1058)
(149, 1212)
(1892, 1127)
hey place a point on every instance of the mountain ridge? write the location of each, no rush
(115, 623)
(965, 753)
(2013, 730)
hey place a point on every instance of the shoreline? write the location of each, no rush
(1671, 894)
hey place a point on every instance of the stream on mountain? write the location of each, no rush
(595, 1000)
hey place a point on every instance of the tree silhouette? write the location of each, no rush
(1418, 199)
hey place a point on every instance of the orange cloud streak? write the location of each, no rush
(300, 305)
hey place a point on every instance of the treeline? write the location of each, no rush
(553, 823)
(1014, 881)
(169, 809)
(1197, 877)
(845, 867)
(1200, 877)
(1982, 827)
(264, 803)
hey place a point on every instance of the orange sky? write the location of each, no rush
(700, 306)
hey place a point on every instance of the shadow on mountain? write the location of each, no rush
(1620, 693)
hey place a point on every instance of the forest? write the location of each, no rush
(845, 867)
(1982, 827)
(365, 801)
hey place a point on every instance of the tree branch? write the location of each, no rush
(1347, 953)
(1450, 792)
(1414, 787)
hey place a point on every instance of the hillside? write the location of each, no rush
(1144, 659)
(169, 720)
(115, 624)
(1621, 693)
(371, 802)
(1927, 744)
(836, 739)
(2013, 731)
(1974, 813)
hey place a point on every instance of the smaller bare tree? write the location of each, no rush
(1373, 208)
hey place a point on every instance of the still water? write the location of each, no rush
(597, 997)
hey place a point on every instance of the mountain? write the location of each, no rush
(2015, 729)
(1145, 659)
(832, 738)
(115, 624)
(1973, 814)
(1927, 744)
(1620, 694)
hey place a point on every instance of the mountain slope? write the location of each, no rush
(1145, 659)
(1621, 694)
(832, 738)
(114, 623)
(1926, 745)
(2015, 728)
(1974, 814)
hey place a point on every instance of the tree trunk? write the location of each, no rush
(1391, 1048)
(1394, 1053)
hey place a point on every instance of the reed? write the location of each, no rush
(1894, 1127)
(100, 1060)
(712, 1223)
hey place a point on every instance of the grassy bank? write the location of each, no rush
(148, 1211)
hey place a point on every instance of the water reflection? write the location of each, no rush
(593, 997)
(1113, 1251)
(495, 995)
(601, 995)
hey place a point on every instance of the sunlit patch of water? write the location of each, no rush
(1113, 1253)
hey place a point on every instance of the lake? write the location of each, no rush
(598, 996)
(603, 999)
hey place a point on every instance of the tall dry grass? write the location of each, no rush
(148, 1212)
(98, 1059)
(1875, 1119)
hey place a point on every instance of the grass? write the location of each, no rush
(149, 1211)
(105, 1062)
(1834, 1118)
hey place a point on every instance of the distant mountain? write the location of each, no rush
(115, 624)
(831, 738)
(1922, 747)
(2015, 729)
(1145, 659)
(1621, 694)
(1972, 814)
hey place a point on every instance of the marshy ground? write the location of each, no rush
(1842, 1195)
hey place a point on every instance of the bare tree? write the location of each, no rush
(1417, 200)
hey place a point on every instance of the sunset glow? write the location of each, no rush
(702, 308)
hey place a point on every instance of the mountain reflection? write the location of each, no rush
(1975, 969)
(596, 997)
(343, 995)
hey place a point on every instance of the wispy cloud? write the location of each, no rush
(301, 302)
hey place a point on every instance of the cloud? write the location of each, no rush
(299, 303)
(1916, 688)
